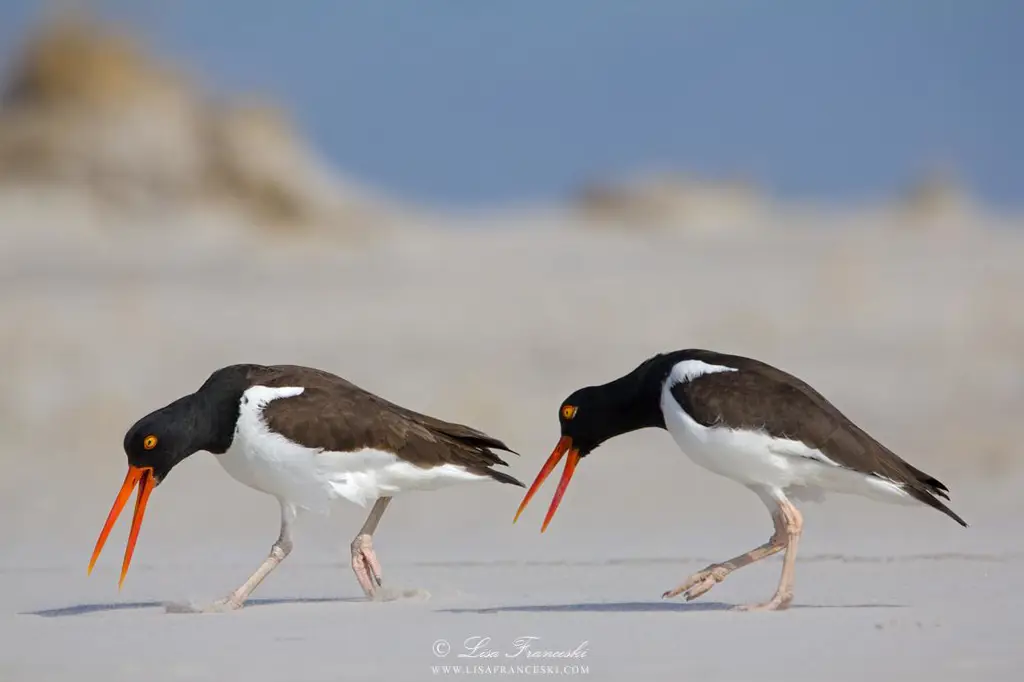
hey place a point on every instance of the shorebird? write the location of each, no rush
(308, 438)
(748, 421)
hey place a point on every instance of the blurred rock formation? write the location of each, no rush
(84, 107)
(673, 199)
(937, 201)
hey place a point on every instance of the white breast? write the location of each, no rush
(312, 478)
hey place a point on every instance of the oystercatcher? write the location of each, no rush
(750, 422)
(307, 437)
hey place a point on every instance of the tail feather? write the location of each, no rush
(934, 485)
(927, 495)
(924, 488)
(469, 436)
(502, 477)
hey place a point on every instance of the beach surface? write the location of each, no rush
(919, 338)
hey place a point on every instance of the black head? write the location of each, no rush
(595, 414)
(204, 420)
(162, 439)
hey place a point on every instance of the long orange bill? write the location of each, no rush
(564, 445)
(570, 468)
(144, 479)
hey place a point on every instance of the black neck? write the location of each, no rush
(629, 403)
(216, 407)
(633, 402)
(215, 418)
(636, 397)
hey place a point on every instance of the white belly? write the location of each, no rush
(740, 455)
(310, 478)
(757, 459)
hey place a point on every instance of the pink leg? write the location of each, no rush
(278, 552)
(794, 524)
(364, 559)
(702, 581)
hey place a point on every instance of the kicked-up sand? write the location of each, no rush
(919, 338)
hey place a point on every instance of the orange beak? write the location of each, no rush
(564, 445)
(146, 482)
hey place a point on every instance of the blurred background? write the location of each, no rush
(475, 209)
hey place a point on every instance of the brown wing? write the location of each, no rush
(759, 396)
(335, 414)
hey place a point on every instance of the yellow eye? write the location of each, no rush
(568, 411)
(149, 442)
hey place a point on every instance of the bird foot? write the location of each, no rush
(699, 583)
(224, 605)
(219, 606)
(780, 602)
(365, 565)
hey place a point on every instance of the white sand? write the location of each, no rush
(919, 339)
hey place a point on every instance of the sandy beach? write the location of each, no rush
(918, 337)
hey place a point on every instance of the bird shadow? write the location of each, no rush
(649, 607)
(585, 607)
(171, 607)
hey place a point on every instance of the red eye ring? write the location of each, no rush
(149, 442)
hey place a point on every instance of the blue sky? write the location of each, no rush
(470, 102)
